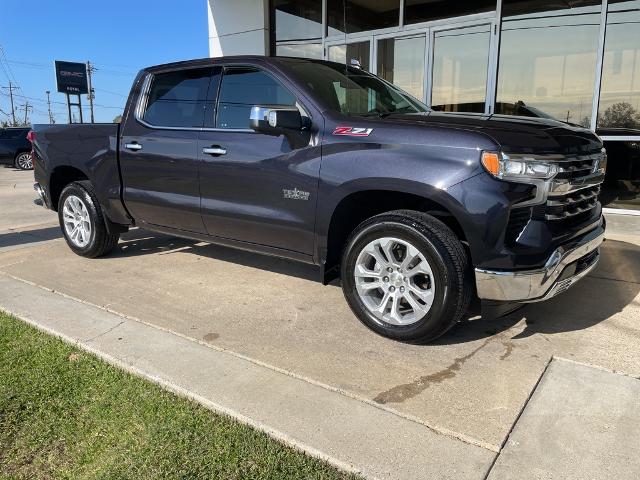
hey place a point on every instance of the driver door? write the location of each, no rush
(256, 188)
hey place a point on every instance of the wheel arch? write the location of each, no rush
(356, 206)
(21, 150)
(61, 177)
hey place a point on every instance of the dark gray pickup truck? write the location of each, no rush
(416, 211)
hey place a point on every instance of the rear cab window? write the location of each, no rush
(179, 98)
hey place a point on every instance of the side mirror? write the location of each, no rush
(275, 121)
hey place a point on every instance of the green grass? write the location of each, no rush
(67, 414)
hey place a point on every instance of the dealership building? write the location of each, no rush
(577, 61)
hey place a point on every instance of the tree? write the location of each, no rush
(621, 115)
(117, 119)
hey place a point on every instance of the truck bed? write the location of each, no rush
(89, 151)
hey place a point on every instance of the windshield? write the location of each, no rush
(352, 91)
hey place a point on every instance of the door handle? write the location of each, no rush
(132, 146)
(215, 150)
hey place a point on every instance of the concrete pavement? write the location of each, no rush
(17, 209)
(469, 387)
(346, 432)
(581, 423)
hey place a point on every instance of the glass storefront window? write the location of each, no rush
(619, 109)
(358, 51)
(460, 65)
(416, 11)
(621, 188)
(548, 54)
(306, 50)
(620, 87)
(361, 15)
(298, 19)
(401, 61)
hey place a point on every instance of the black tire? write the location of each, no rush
(100, 241)
(21, 162)
(448, 261)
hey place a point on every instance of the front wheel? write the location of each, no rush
(82, 221)
(406, 275)
(23, 161)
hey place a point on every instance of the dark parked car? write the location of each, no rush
(417, 211)
(15, 147)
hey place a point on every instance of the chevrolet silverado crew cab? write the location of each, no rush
(416, 211)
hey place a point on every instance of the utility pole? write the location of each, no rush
(27, 107)
(51, 119)
(90, 70)
(13, 110)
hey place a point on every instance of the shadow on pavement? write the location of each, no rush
(606, 291)
(142, 242)
(610, 288)
(14, 239)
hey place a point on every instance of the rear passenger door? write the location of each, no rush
(159, 149)
(257, 188)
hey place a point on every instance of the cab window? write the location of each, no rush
(178, 99)
(243, 88)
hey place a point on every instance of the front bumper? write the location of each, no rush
(566, 265)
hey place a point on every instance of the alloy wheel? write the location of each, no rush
(394, 281)
(24, 161)
(77, 223)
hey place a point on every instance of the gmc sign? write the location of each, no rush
(71, 77)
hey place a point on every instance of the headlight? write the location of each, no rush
(501, 166)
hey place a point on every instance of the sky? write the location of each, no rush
(119, 37)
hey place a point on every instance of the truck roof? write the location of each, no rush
(196, 62)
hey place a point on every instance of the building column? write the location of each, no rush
(238, 27)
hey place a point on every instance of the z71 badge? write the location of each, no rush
(352, 131)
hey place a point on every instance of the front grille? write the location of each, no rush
(576, 166)
(572, 204)
(576, 177)
(565, 212)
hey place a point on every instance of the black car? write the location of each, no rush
(416, 211)
(15, 147)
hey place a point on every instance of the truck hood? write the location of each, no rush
(513, 134)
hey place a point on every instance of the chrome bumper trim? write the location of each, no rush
(541, 284)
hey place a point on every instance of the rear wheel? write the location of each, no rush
(82, 221)
(406, 276)
(23, 161)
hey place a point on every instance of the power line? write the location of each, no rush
(39, 100)
(110, 92)
(10, 76)
(44, 66)
(38, 66)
